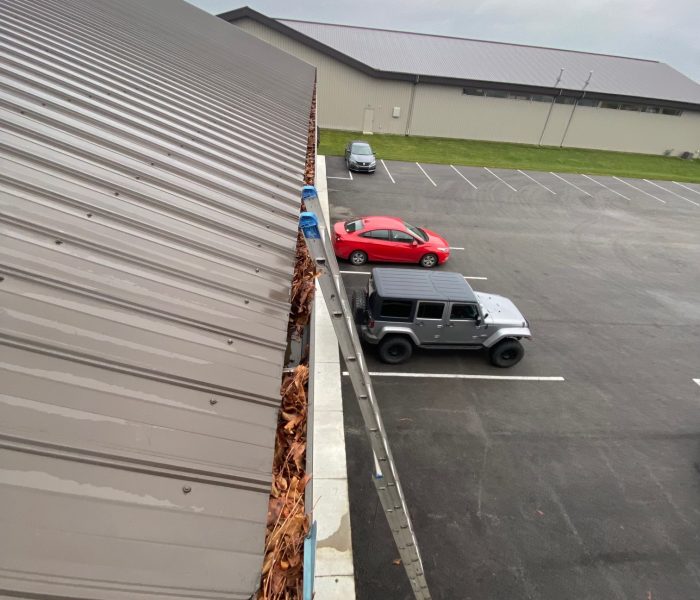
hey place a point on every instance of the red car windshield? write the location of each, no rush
(417, 231)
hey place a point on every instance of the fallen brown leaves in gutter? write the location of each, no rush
(287, 522)
(303, 288)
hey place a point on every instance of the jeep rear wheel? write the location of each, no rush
(395, 349)
(506, 353)
(429, 261)
(358, 258)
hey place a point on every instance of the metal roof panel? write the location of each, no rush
(152, 158)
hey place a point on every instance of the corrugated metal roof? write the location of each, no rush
(439, 56)
(152, 160)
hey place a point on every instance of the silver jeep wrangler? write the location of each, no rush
(403, 308)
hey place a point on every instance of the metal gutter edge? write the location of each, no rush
(334, 572)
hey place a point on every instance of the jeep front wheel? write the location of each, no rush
(395, 349)
(429, 261)
(506, 353)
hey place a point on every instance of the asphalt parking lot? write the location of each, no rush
(584, 487)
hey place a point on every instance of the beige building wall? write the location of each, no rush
(630, 131)
(348, 99)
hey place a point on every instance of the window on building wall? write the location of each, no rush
(492, 93)
(496, 93)
(588, 102)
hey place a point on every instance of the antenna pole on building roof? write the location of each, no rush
(551, 106)
(385, 477)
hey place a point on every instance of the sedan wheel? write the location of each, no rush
(358, 258)
(429, 261)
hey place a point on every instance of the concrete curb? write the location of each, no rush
(334, 577)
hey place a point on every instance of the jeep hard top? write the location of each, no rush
(404, 308)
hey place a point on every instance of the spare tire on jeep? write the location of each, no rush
(359, 306)
(395, 349)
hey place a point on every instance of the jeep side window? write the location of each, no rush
(463, 312)
(400, 236)
(430, 310)
(376, 234)
(396, 309)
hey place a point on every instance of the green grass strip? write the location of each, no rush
(515, 156)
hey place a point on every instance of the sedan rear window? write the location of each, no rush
(355, 225)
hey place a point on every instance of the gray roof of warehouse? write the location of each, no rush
(153, 162)
(420, 284)
(385, 53)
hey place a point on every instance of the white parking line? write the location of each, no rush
(639, 190)
(537, 182)
(387, 170)
(482, 278)
(686, 187)
(463, 177)
(456, 248)
(501, 180)
(460, 376)
(343, 178)
(671, 192)
(571, 184)
(697, 381)
(428, 176)
(350, 173)
(607, 188)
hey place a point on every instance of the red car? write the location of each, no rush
(388, 239)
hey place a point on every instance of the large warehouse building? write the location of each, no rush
(379, 81)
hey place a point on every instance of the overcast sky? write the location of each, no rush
(665, 30)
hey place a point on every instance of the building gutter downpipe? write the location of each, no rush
(571, 116)
(410, 106)
(551, 106)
